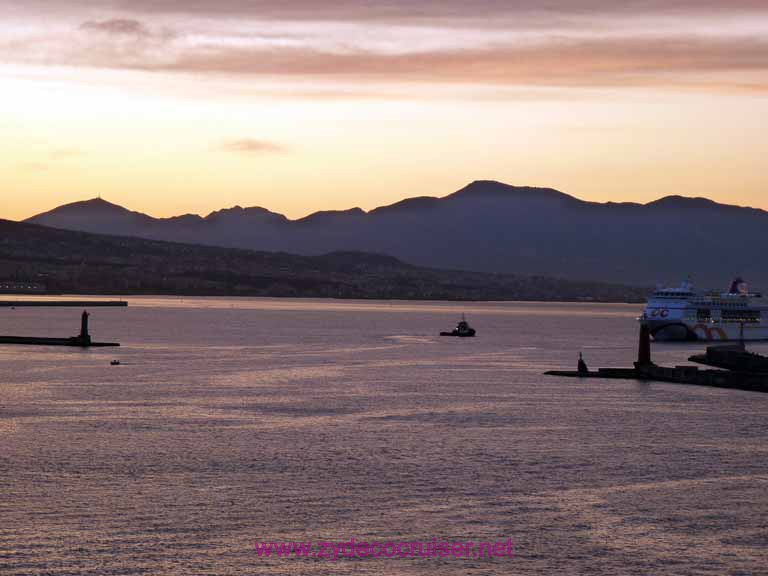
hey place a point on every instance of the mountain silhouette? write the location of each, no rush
(488, 227)
(69, 262)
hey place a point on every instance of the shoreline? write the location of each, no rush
(124, 295)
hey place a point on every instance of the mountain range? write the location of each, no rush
(487, 227)
(70, 262)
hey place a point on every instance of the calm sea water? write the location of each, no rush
(235, 421)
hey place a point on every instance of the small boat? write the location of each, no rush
(462, 330)
(115, 363)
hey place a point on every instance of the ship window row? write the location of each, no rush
(728, 304)
(705, 315)
(741, 315)
(19, 286)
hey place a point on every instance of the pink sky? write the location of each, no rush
(171, 107)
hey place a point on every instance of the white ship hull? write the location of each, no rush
(680, 314)
(680, 331)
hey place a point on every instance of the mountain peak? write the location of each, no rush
(677, 201)
(329, 216)
(494, 188)
(94, 205)
(98, 203)
(238, 212)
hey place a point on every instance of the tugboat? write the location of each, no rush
(462, 330)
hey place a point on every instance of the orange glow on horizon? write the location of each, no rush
(189, 114)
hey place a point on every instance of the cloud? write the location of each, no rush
(612, 62)
(400, 10)
(709, 63)
(251, 146)
(119, 27)
(719, 54)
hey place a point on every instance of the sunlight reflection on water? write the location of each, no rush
(231, 421)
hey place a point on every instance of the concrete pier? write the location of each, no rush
(82, 340)
(62, 303)
(645, 369)
(72, 342)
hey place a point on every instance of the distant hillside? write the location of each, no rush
(488, 227)
(76, 262)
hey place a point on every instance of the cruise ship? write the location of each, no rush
(682, 314)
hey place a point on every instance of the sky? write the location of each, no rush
(172, 107)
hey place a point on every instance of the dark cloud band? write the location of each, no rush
(401, 10)
(612, 62)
